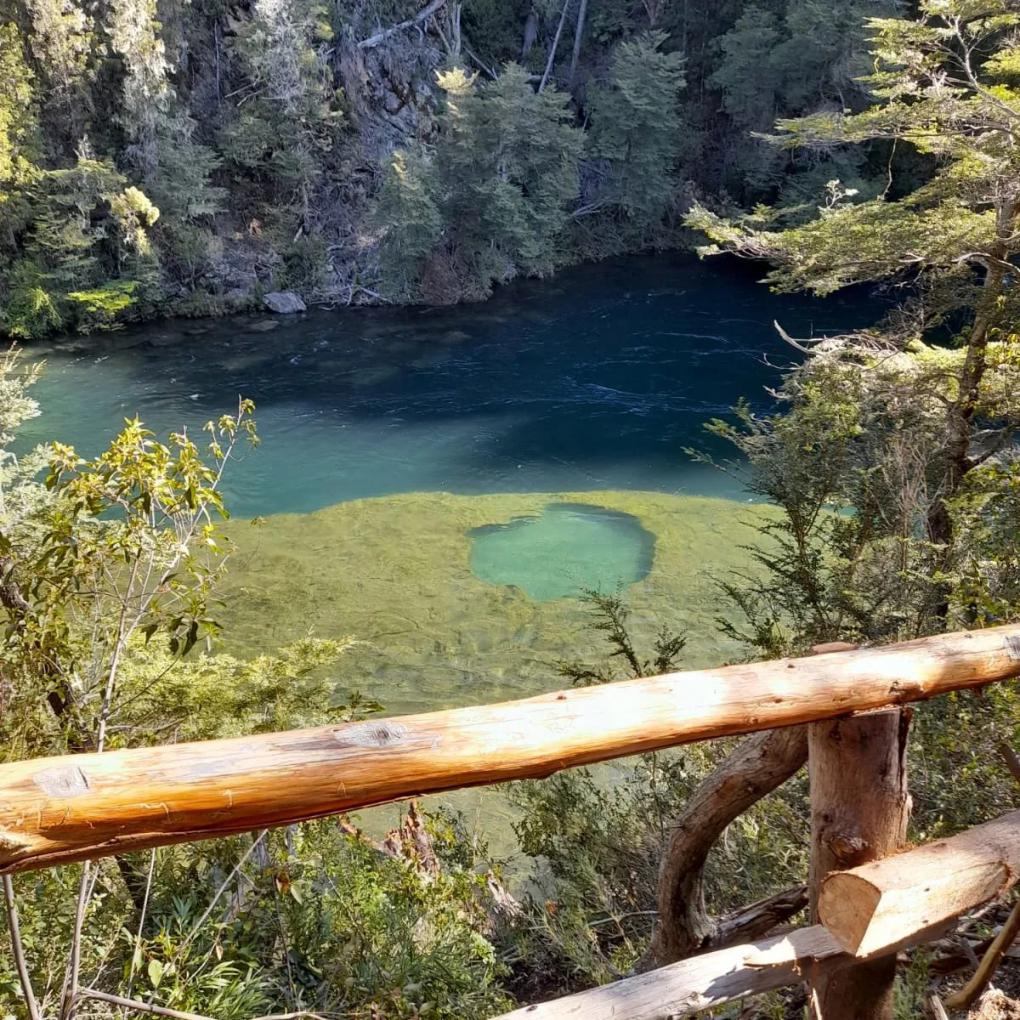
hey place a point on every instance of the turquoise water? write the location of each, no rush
(596, 379)
(583, 390)
(567, 548)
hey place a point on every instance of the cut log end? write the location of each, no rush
(848, 904)
(870, 909)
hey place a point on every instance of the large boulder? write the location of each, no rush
(284, 302)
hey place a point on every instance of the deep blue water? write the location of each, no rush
(596, 379)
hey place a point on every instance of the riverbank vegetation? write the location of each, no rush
(890, 459)
(159, 160)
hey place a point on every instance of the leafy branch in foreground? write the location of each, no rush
(108, 586)
(610, 617)
(893, 437)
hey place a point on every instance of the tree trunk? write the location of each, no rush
(859, 811)
(582, 11)
(530, 32)
(961, 412)
(554, 46)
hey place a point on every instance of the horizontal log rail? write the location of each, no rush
(868, 912)
(872, 908)
(710, 980)
(57, 810)
(698, 983)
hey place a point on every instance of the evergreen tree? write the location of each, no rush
(411, 218)
(85, 257)
(290, 116)
(18, 128)
(63, 42)
(508, 158)
(492, 196)
(636, 129)
(748, 74)
(946, 84)
(791, 58)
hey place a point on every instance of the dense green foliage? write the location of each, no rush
(188, 159)
(107, 577)
(891, 456)
(489, 196)
(909, 425)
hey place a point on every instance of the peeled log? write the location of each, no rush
(876, 907)
(57, 810)
(699, 983)
(859, 812)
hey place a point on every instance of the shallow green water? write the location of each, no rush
(563, 549)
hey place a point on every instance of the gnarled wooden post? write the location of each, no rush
(758, 765)
(859, 812)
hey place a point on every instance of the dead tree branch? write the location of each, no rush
(554, 45)
(423, 15)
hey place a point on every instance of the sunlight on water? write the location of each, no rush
(568, 548)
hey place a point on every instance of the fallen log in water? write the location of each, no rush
(870, 909)
(56, 810)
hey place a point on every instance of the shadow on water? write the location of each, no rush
(597, 379)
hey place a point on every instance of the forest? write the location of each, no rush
(189, 158)
(160, 159)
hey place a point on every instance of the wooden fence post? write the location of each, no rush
(859, 812)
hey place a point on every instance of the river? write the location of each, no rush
(439, 483)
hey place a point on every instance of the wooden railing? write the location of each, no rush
(57, 810)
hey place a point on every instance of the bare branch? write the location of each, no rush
(137, 1004)
(552, 48)
(18, 949)
(179, 1014)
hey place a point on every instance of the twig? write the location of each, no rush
(478, 60)
(142, 1007)
(296, 1015)
(179, 1014)
(935, 1007)
(617, 918)
(965, 997)
(141, 918)
(219, 892)
(74, 963)
(18, 948)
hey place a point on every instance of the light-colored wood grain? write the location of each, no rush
(57, 810)
(869, 909)
(699, 983)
